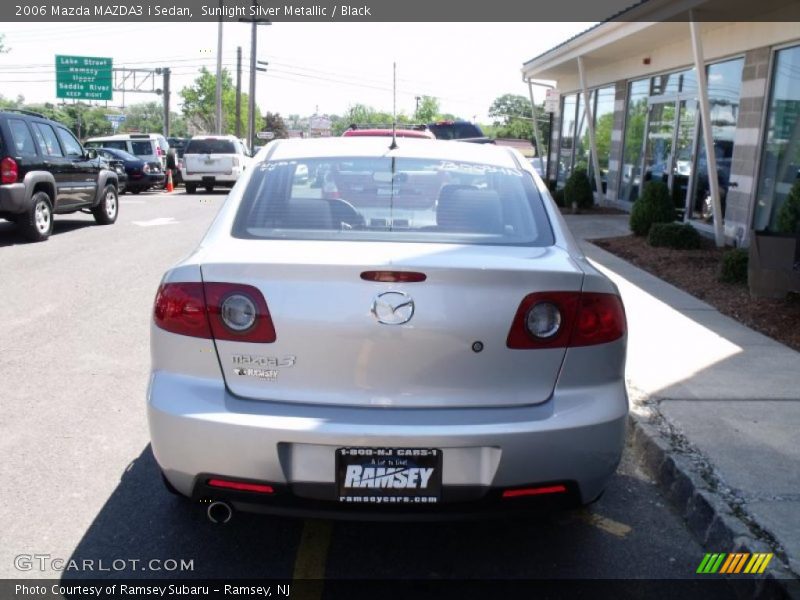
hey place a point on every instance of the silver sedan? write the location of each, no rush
(407, 331)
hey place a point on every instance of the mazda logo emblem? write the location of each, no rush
(393, 308)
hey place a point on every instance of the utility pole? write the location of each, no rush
(416, 110)
(238, 91)
(219, 72)
(166, 73)
(251, 101)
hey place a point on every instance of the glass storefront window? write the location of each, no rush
(780, 161)
(724, 87)
(603, 125)
(567, 139)
(673, 83)
(635, 118)
(582, 144)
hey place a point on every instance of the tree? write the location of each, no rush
(427, 110)
(274, 122)
(200, 104)
(512, 114)
(360, 114)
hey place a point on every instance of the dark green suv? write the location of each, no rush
(44, 171)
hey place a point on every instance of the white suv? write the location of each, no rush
(150, 147)
(213, 160)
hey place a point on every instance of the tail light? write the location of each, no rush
(159, 151)
(222, 311)
(567, 319)
(9, 172)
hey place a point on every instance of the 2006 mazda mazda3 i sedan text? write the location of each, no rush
(407, 330)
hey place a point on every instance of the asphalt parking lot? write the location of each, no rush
(80, 480)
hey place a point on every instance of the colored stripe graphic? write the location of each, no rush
(759, 562)
(734, 563)
(711, 563)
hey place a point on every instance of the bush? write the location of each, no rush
(654, 206)
(789, 214)
(681, 236)
(578, 189)
(558, 196)
(733, 268)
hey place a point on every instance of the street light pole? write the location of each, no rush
(251, 100)
(219, 73)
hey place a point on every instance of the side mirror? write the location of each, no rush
(91, 153)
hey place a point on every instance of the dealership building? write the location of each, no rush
(647, 98)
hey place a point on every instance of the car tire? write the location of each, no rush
(106, 211)
(136, 191)
(209, 189)
(37, 223)
(191, 188)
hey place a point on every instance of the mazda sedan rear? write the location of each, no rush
(409, 330)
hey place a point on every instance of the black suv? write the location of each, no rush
(44, 170)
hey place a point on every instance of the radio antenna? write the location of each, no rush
(394, 107)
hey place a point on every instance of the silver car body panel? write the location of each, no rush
(502, 417)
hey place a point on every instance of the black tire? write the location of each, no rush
(37, 223)
(209, 189)
(136, 191)
(106, 211)
(191, 188)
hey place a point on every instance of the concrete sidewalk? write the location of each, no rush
(716, 410)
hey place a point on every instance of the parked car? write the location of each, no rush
(118, 167)
(175, 157)
(150, 147)
(429, 339)
(142, 175)
(462, 131)
(45, 171)
(401, 133)
(213, 160)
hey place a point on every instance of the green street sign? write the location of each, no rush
(83, 77)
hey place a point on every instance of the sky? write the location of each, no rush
(313, 67)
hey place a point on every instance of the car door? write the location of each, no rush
(56, 163)
(84, 172)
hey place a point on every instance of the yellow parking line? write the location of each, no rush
(611, 526)
(311, 558)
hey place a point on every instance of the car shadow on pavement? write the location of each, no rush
(11, 236)
(142, 521)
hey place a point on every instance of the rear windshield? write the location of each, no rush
(143, 148)
(116, 144)
(455, 131)
(386, 199)
(210, 146)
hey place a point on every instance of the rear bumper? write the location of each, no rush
(12, 198)
(198, 428)
(227, 179)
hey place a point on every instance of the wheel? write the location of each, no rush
(136, 191)
(37, 223)
(105, 213)
(191, 188)
(209, 189)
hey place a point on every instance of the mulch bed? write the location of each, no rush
(595, 210)
(697, 271)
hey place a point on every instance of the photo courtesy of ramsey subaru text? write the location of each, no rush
(406, 331)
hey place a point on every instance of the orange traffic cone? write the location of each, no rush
(170, 186)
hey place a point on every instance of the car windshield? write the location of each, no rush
(121, 154)
(210, 146)
(392, 199)
(144, 148)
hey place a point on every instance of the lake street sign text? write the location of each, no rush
(83, 77)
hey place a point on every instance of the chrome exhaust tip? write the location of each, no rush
(219, 512)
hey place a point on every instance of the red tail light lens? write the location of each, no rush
(241, 486)
(534, 491)
(181, 308)
(393, 276)
(9, 172)
(587, 319)
(196, 309)
(261, 331)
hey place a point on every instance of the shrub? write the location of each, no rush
(789, 214)
(733, 268)
(681, 236)
(558, 196)
(578, 189)
(654, 206)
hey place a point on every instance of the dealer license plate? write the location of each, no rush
(391, 476)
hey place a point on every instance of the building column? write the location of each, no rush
(587, 109)
(708, 137)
